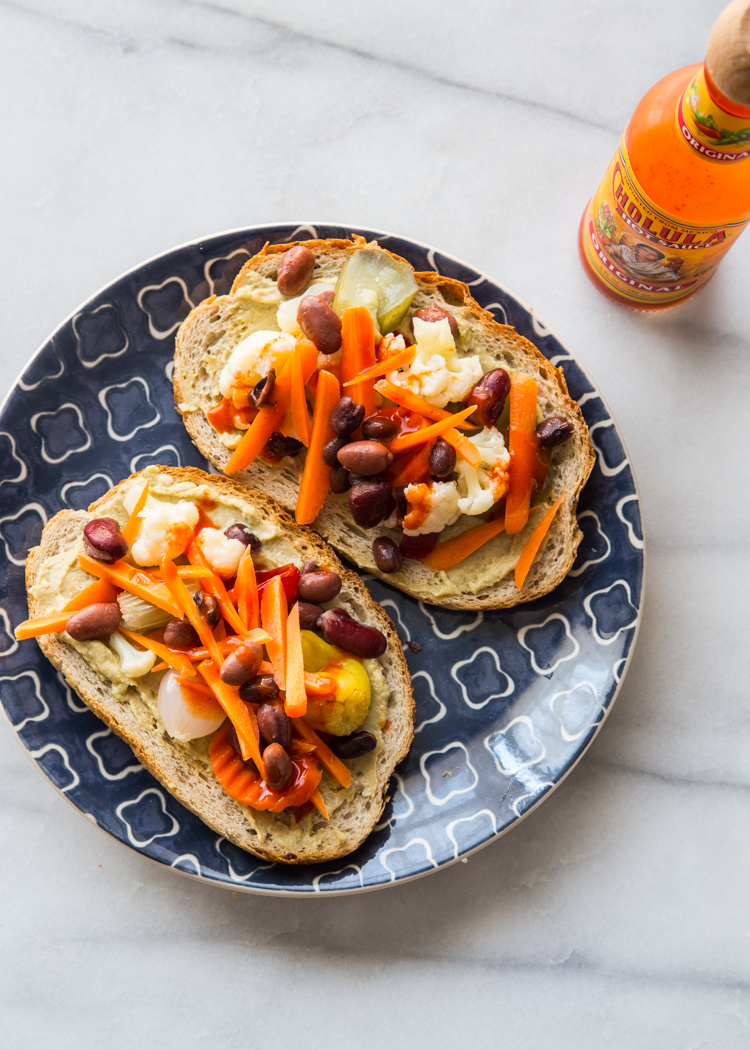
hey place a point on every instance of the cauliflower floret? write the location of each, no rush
(437, 374)
(133, 662)
(432, 508)
(475, 489)
(481, 487)
(490, 443)
(286, 315)
(166, 528)
(222, 553)
(253, 358)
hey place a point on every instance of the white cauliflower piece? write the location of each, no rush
(437, 373)
(133, 662)
(286, 315)
(481, 487)
(166, 528)
(222, 553)
(475, 489)
(432, 508)
(490, 443)
(253, 358)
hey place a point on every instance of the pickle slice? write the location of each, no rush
(371, 278)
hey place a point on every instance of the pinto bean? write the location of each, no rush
(295, 270)
(388, 557)
(365, 457)
(355, 638)
(95, 621)
(103, 541)
(378, 428)
(309, 613)
(180, 634)
(259, 689)
(319, 587)
(241, 532)
(275, 726)
(279, 768)
(436, 313)
(346, 416)
(242, 664)
(320, 324)
(208, 607)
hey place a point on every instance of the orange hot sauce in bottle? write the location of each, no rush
(677, 193)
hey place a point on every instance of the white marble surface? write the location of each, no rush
(617, 915)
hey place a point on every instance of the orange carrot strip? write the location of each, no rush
(295, 701)
(133, 524)
(413, 468)
(435, 430)
(406, 399)
(99, 591)
(134, 580)
(463, 446)
(317, 800)
(358, 355)
(178, 661)
(187, 572)
(190, 683)
(161, 667)
(246, 591)
(534, 542)
(403, 357)
(273, 614)
(334, 765)
(187, 607)
(241, 715)
(522, 442)
(313, 487)
(51, 624)
(300, 416)
(454, 551)
(214, 585)
(270, 418)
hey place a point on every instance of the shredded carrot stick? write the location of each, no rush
(398, 360)
(317, 800)
(435, 430)
(99, 591)
(241, 715)
(313, 487)
(522, 443)
(246, 591)
(191, 683)
(50, 624)
(463, 446)
(134, 580)
(162, 666)
(178, 661)
(406, 399)
(412, 467)
(454, 551)
(186, 607)
(534, 542)
(333, 764)
(358, 355)
(300, 416)
(133, 524)
(215, 586)
(295, 701)
(273, 614)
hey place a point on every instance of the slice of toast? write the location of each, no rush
(129, 709)
(485, 579)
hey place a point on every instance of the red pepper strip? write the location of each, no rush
(523, 444)
(178, 661)
(534, 542)
(136, 581)
(289, 578)
(133, 524)
(242, 716)
(246, 591)
(214, 586)
(334, 765)
(273, 614)
(187, 607)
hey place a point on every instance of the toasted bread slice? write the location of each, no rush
(129, 706)
(485, 579)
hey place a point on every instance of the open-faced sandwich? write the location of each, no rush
(249, 671)
(429, 444)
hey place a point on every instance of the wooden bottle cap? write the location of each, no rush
(728, 54)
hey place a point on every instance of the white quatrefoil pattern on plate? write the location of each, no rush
(506, 701)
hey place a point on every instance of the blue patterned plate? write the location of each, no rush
(507, 702)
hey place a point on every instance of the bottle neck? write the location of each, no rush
(711, 124)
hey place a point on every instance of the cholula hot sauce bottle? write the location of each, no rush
(677, 193)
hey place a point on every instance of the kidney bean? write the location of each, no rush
(241, 532)
(308, 614)
(102, 540)
(354, 745)
(554, 431)
(346, 416)
(436, 313)
(95, 621)
(208, 607)
(261, 392)
(279, 768)
(259, 689)
(180, 634)
(332, 448)
(242, 664)
(365, 457)
(489, 396)
(355, 638)
(418, 547)
(234, 741)
(295, 270)
(388, 557)
(275, 726)
(309, 566)
(371, 501)
(378, 428)
(319, 587)
(442, 458)
(339, 480)
(320, 324)
(281, 446)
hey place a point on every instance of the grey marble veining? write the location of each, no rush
(616, 915)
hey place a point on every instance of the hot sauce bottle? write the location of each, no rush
(677, 193)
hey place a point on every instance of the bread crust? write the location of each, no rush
(172, 765)
(572, 462)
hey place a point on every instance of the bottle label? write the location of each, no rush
(707, 128)
(641, 252)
